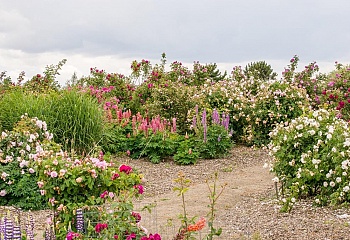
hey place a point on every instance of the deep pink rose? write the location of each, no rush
(125, 168)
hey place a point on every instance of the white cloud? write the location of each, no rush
(110, 34)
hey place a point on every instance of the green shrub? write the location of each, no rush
(173, 101)
(311, 158)
(218, 142)
(187, 152)
(275, 102)
(213, 138)
(157, 146)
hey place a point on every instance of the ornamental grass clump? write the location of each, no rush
(311, 158)
(76, 121)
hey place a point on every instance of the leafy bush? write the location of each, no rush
(187, 151)
(173, 101)
(275, 102)
(19, 151)
(311, 158)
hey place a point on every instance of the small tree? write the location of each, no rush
(259, 71)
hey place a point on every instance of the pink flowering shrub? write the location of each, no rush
(19, 151)
(71, 182)
(336, 91)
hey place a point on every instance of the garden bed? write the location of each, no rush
(247, 209)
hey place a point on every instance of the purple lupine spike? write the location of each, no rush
(226, 122)
(30, 228)
(47, 234)
(204, 117)
(223, 119)
(194, 121)
(204, 124)
(215, 117)
(8, 229)
(16, 235)
(196, 109)
(2, 228)
(80, 221)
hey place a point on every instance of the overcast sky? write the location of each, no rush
(109, 34)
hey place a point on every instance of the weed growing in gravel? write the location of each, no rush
(189, 226)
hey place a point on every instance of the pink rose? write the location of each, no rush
(125, 168)
(53, 174)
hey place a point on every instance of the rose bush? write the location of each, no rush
(19, 151)
(311, 158)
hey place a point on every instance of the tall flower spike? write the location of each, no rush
(80, 220)
(204, 124)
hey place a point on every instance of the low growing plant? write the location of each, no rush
(187, 151)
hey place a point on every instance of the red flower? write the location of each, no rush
(104, 194)
(139, 188)
(137, 216)
(100, 226)
(115, 176)
(131, 236)
(125, 168)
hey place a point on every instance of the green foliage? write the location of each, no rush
(159, 145)
(173, 101)
(312, 158)
(276, 102)
(206, 73)
(19, 150)
(77, 120)
(187, 152)
(74, 118)
(259, 70)
(218, 142)
(115, 140)
(16, 102)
